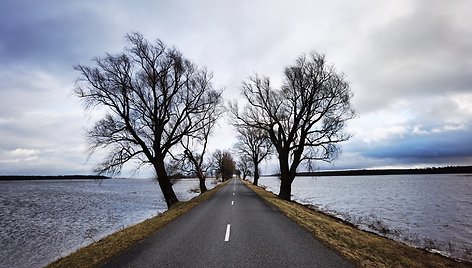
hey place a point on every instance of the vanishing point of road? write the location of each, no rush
(234, 228)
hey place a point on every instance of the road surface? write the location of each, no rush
(234, 228)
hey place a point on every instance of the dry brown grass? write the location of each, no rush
(98, 253)
(363, 248)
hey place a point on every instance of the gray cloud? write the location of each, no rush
(420, 53)
(413, 86)
(408, 63)
(40, 126)
(438, 143)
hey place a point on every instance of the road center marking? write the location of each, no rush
(233, 193)
(232, 202)
(228, 230)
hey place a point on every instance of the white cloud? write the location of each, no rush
(18, 156)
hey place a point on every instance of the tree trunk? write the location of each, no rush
(286, 179)
(256, 174)
(201, 178)
(203, 187)
(164, 182)
(285, 189)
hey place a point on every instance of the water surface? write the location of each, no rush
(41, 221)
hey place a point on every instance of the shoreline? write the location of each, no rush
(345, 222)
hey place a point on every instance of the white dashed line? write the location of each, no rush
(233, 193)
(228, 230)
(232, 203)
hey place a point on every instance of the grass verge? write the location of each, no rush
(99, 253)
(363, 248)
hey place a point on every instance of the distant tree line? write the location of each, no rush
(367, 172)
(64, 177)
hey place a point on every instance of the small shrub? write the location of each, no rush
(195, 189)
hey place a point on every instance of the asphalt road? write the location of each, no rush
(234, 228)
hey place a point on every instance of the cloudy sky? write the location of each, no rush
(409, 64)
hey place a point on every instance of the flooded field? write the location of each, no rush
(41, 221)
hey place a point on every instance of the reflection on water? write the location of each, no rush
(429, 211)
(43, 220)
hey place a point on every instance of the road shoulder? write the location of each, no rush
(363, 248)
(98, 253)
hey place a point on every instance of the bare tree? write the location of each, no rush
(174, 171)
(195, 147)
(304, 119)
(255, 144)
(244, 165)
(224, 164)
(153, 96)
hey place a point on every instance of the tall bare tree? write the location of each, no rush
(153, 96)
(255, 144)
(244, 165)
(304, 119)
(195, 146)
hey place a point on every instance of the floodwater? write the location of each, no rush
(41, 221)
(427, 211)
